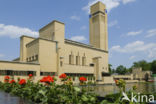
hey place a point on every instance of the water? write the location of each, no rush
(101, 90)
(6, 98)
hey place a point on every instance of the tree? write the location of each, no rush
(153, 67)
(111, 70)
(143, 64)
(121, 70)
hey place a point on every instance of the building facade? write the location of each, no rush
(52, 54)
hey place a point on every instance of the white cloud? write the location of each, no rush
(16, 31)
(151, 33)
(132, 57)
(74, 17)
(127, 1)
(113, 23)
(152, 53)
(134, 33)
(83, 28)
(110, 4)
(78, 38)
(137, 46)
(2, 55)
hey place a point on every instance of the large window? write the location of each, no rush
(47, 73)
(17, 73)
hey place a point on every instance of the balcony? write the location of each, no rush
(67, 68)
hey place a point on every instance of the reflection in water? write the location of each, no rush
(101, 90)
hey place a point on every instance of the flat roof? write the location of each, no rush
(17, 62)
(83, 45)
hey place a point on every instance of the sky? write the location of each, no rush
(131, 26)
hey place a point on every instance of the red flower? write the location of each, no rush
(82, 79)
(22, 82)
(6, 79)
(116, 81)
(63, 76)
(30, 75)
(12, 81)
(47, 79)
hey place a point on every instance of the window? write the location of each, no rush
(77, 60)
(47, 73)
(29, 58)
(61, 63)
(36, 57)
(84, 61)
(32, 58)
(92, 65)
(53, 36)
(71, 59)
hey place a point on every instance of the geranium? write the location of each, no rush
(82, 79)
(63, 76)
(12, 81)
(47, 79)
(30, 75)
(22, 82)
(116, 81)
(6, 79)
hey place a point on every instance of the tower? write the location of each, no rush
(98, 26)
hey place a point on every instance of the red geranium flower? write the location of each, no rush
(12, 81)
(22, 82)
(63, 76)
(6, 79)
(116, 81)
(47, 79)
(82, 79)
(30, 75)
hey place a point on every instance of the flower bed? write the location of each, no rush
(45, 91)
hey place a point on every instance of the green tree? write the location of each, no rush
(121, 70)
(145, 65)
(153, 67)
(110, 68)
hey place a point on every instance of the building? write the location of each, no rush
(52, 54)
(138, 74)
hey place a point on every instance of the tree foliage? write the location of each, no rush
(143, 64)
(121, 70)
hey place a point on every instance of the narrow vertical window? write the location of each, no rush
(53, 36)
(70, 59)
(77, 60)
(83, 60)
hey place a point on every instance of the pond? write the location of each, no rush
(102, 90)
(6, 98)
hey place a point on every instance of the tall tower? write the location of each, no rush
(98, 26)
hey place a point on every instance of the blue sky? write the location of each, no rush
(131, 25)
